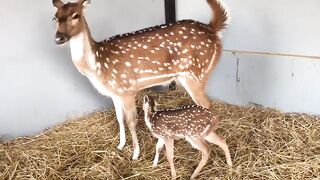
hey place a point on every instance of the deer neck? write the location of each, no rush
(147, 118)
(81, 47)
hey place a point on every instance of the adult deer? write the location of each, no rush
(120, 66)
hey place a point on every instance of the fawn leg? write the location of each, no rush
(159, 146)
(169, 151)
(220, 141)
(205, 151)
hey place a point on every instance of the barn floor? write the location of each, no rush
(264, 144)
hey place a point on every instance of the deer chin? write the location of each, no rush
(61, 39)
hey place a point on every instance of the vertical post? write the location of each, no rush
(170, 11)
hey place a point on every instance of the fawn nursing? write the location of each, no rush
(186, 51)
(193, 123)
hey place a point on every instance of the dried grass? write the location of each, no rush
(264, 144)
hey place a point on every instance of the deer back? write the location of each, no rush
(192, 121)
(136, 60)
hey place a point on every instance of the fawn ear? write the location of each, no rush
(156, 105)
(146, 99)
(156, 102)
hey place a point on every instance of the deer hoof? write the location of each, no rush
(135, 154)
(193, 176)
(120, 146)
(154, 165)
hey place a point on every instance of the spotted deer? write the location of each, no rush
(186, 51)
(192, 123)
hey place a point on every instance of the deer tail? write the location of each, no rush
(220, 18)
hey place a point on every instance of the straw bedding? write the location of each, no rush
(264, 144)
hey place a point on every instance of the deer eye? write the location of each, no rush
(75, 16)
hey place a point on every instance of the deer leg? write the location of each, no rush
(196, 90)
(120, 117)
(169, 151)
(159, 147)
(220, 141)
(205, 150)
(130, 113)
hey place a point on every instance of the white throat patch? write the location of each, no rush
(147, 119)
(77, 47)
(81, 50)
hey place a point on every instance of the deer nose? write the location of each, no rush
(61, 38)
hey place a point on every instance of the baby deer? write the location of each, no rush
(194, 123)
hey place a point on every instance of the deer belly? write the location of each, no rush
(151, 81)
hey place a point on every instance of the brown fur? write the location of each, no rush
(186, 51)
(193, 123)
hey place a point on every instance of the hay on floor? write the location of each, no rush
(264, 144)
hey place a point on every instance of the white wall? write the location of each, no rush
(288, 82)
(39, 84)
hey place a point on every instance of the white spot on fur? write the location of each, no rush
(185, 51)
(123, 76)
(128, 64)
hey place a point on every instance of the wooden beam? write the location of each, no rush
(170, 11)
(272, 54)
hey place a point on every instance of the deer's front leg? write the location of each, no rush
(159, 146)
(130, 114)
(169, 150)
(120, 117)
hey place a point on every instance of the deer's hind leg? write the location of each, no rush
(214, 138)
(196, 89)
(202, 146)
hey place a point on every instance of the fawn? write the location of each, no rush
(193, 123)
(119, 67)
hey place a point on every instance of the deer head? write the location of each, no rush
(70, 20)
(149, 104)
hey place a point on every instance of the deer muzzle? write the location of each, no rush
(61, 38)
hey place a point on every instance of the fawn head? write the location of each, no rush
(69, 18)
(149, 104)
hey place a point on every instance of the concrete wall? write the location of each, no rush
(39, 84)
(286, 75)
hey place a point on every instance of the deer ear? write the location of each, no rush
(57, 3)
(156, 105)
(86, 3)
(146, 99)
